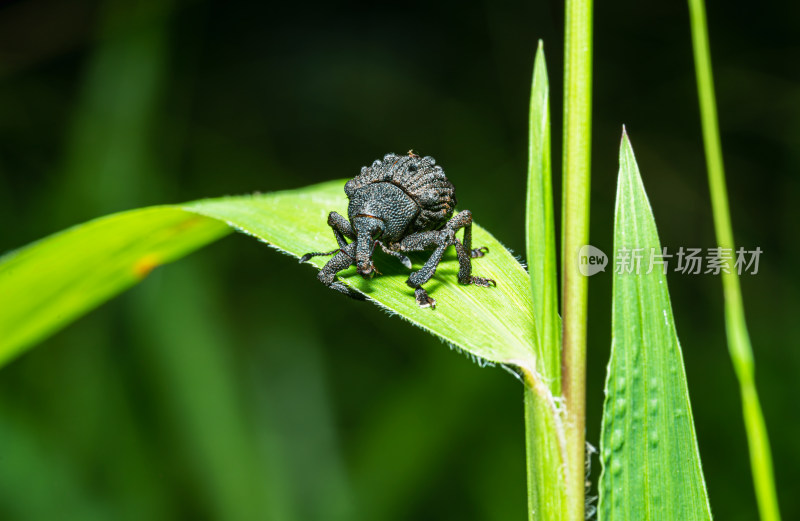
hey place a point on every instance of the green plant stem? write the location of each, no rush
(575, 233)
(738, 338)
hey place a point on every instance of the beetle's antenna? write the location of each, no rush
(307, 256)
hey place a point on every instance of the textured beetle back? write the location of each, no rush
(420, 178)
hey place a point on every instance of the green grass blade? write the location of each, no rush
(48, 284)
(741, 352)
(543, 425)
(540, 228)
(492, 323)
(648, 446)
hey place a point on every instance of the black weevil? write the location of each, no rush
(402, 204)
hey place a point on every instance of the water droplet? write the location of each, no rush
(621, 405)
(617, 439)
(616, 468)
(606, 456)
(652, 406)
(654, 383)
(654, 439)
(621, 383)
(678, 412)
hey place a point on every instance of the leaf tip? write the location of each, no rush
(540, 80)
(625, 146)
(539, 61)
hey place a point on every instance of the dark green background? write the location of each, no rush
(232, 385)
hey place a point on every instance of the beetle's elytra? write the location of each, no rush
(402, 204)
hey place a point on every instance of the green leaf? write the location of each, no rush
(540, 229)
(543, 424)
(651, 464)
(53, 281)
(490, 323)
(49, 283)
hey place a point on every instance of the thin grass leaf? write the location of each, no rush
(651, 464)
(739, 347)
(540, 228)
(48, 284)
(543, 424)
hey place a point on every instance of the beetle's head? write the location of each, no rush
(368, 229)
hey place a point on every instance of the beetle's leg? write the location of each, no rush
(405, 260)
(345, 258)
(440, 240)
(424, 241)
(341, 228)
(465, 268)
(465, 252)
(418, 278)
(464, 219)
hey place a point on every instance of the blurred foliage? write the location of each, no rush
(232, 385)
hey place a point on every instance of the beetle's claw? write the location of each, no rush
(368, 270)
(423, 299)
(482, 282)
(305, 258)
(406, 261)
(479, 252)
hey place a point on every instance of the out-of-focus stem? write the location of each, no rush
(738, 338)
